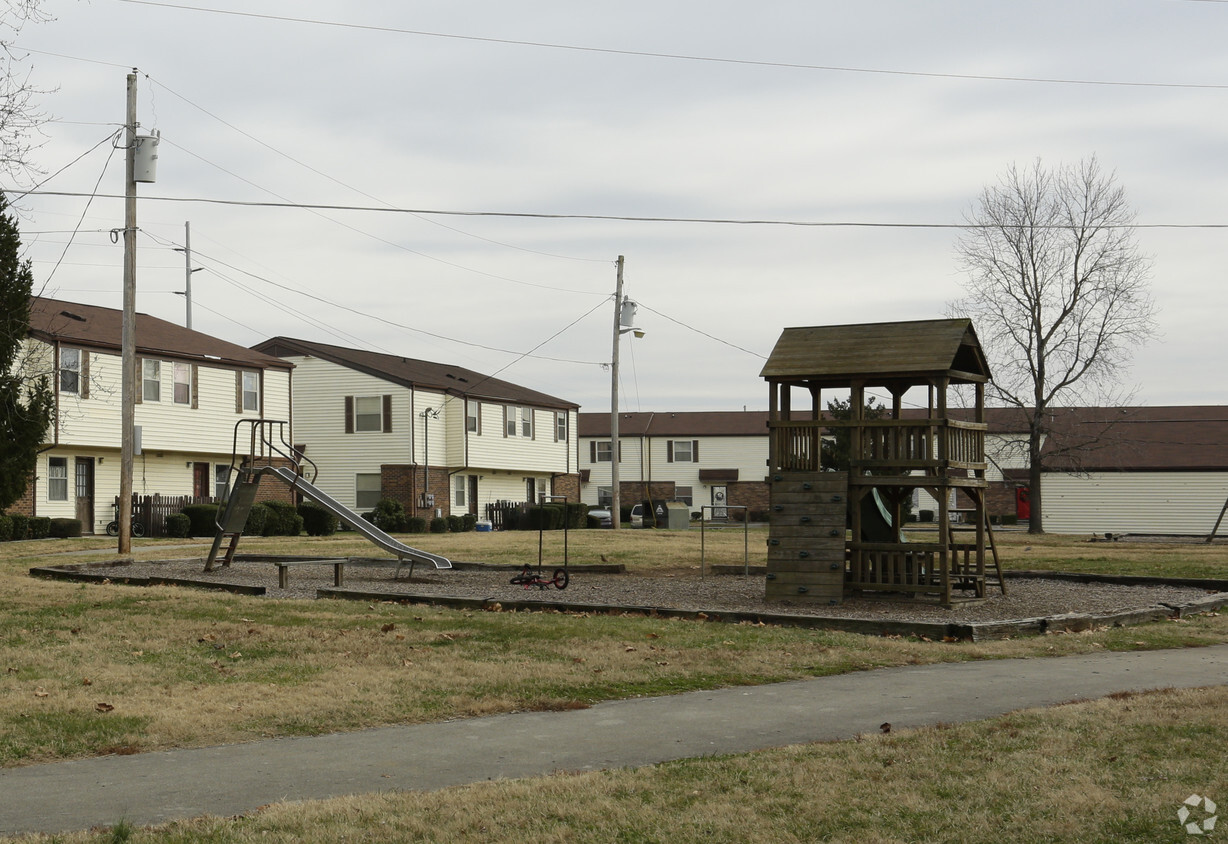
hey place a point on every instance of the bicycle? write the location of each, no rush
(528, 577)
(138, 529)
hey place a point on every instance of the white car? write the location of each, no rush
(605, 518)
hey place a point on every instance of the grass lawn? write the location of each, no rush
(93, 669)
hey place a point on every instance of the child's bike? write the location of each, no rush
(528, 577)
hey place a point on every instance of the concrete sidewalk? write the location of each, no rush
(157, 787)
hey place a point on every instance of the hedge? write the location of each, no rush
(177, 525)
(283, 520)
(21, 526)
(202, 519)
(316, 520)
(6, 528)
(40, 527)
(64, 528)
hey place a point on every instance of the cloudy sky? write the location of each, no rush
(529, 119)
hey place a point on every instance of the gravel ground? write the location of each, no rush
(1027, 598)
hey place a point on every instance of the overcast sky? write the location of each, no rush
(874, 112)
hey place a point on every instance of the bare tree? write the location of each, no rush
(1058, 292)
(20, 117)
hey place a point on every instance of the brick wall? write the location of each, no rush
(753, 495)
(273, 490)
(24, 506)
(406, 483)
(568, 485)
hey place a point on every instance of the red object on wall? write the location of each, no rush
(1023, 502)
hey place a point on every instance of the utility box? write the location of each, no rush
(673, 515)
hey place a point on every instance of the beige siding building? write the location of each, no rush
(441, 439)
(190, 390)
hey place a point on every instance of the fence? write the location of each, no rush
(499, 512)
(151, 510)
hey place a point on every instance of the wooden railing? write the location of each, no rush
(885, 443)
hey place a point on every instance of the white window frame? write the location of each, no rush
(57, 478)
(509, 423)
(367, 421)
(460, 490)
(221, 480)
(526, 422)
(151, 380)
(605, 451)
(363, 495)
(473, 416)
(185, 370)
(251, 391)
(70, 365)
(560, 426)
(683, 446)
(605, 496)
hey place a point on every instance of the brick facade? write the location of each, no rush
(406, 484)
(24, 506)
(753, 495)
(568, 485)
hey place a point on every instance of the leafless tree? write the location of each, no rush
(1058, 292)
(20, 117)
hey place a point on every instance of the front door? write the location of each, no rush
(473, 495)
(85, 493)
(200, 481)
(719, 502)
(530, 490)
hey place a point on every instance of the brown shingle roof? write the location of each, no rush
(94, 327)
(422, 374)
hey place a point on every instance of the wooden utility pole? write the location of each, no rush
(128, 338)
(614, 480)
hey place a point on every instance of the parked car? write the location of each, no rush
(637, 515)
(603, 517)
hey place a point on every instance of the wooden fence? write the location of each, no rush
(151, 510)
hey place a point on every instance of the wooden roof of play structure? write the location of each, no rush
(879, 353)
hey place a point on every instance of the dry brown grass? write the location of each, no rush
(1108, 770)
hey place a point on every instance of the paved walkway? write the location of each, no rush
(158, 787)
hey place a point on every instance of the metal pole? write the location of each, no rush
(187, 260)
(128, 336)
(615, 503)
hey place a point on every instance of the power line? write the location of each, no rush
(679, 56)
(729, 221)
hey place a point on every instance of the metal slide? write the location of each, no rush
(403, 552)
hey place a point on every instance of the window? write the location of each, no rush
(509, 421)
(57, 478)
(459, 495)
(366, 491)
(70, 370)
(151, 380)
(605, 496)
(682, 451)
(560, 426)
(183, 383)
(602, 452)
(526, 422)
(251, 391)
(221, 481)
(367, 414)
(683, 494)
(473, 416)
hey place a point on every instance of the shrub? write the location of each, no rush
(389, 515)
(283, 520)
(202, 519)
(177, 525)
(926, 515)
(1012, 519)
(256, 518)
(316, 520)
(415, 524)
(64, 528)
(6, 528)
(543, 517)
(439, 525)
(760, 516)
(456, 524)
(21, 526)
(40, 527)
(468, 522)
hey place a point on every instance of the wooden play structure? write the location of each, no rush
(835, 533)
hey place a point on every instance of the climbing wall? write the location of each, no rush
(805, 561)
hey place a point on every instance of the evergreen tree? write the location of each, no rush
(26, 401)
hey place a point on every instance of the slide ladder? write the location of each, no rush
(233, 517)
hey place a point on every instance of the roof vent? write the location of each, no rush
(71, 315)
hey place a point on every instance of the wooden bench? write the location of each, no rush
(283, 570)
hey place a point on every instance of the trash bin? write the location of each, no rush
(673, 515)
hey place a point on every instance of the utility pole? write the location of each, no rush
(615, 513)
(128, 338)
(188, 270)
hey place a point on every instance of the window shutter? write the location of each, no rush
(195, 376)
(238, 391)
(505, 421)
(694, 451)
(349, 414)
(85, 374)
(138, 389)
(669, 451)
(620, 451)
(592, 451)
(387, 414)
